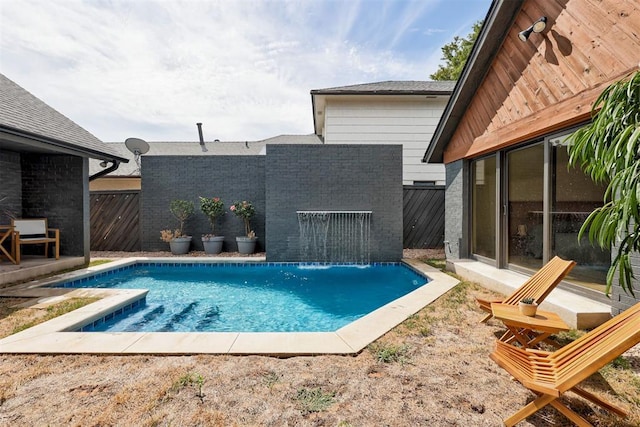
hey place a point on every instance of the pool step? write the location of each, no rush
(177, 318)
(211, 317)
(148, 317)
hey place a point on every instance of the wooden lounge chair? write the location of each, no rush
(34, 231)
(550, 374)
(537, 286)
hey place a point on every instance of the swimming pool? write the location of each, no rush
(250, 297)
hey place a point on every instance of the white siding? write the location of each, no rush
(409, 122)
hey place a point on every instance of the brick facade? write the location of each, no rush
(620, 300)
(334, 177)
(232, 178)
(10, 184)
(48, 186)
(288, 178)
(456, 212)
(56, 188)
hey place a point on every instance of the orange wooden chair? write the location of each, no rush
(550, 374)
(537, 286)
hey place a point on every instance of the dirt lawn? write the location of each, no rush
(432, 370)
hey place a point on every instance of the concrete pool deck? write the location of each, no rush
(51, 337)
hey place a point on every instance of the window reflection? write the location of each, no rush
(525, 197)
(574, 197)
(483, 241)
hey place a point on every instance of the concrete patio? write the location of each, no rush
(33, 266)
(575, 310)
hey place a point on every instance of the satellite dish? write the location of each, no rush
(137, 146)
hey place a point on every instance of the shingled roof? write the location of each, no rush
(193, 148)
(412, 87)
(24, 115)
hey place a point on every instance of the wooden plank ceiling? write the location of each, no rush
(550, 81)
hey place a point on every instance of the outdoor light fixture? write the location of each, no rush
(536, 27)
(103, 163)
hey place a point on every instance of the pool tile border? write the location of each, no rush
(51, 337)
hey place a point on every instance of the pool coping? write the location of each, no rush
(50, 337)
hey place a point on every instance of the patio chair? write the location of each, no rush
(550, 374)
(537, 286)
(34, 231)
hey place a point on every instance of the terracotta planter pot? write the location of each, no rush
(528, 309)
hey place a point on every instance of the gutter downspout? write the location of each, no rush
(110, 169)
(313, 111)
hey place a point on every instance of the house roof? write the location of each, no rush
(26, 121)
(391, 87)
(497, 23)
(193, 148)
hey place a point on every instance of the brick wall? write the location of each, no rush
(10, 184)
(288, 178)
(56, 188)
(232, 178)
(620, 300)
(334, 177)
(455, 212)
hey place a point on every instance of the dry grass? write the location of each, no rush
(19, 319)
(433, 370)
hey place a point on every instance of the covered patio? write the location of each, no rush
(33, 266)
(44, 170)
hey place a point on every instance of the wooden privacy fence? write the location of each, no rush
(115, 221)
(423, 217)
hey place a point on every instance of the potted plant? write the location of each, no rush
(213, 208)
(178, 241)
(245, 210)
(528, 306)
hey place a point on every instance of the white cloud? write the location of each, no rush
(432, 31)
(412, 12)
(152, 69)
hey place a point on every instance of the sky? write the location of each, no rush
(244, 68)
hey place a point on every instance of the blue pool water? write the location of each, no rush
(253, 298)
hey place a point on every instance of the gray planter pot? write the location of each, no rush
(246, 245)
(180, 245)
(212, 245)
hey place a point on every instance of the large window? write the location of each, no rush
(573, 197)
(525, 184)
(483, 192)
(544, 205)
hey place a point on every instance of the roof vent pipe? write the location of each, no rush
(200, 133)
(202, 146)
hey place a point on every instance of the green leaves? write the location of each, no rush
(182, 210)
(455, 55)
(314, 400)
(608, 150)
(212, 207)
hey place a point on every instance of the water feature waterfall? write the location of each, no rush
(334, 236)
